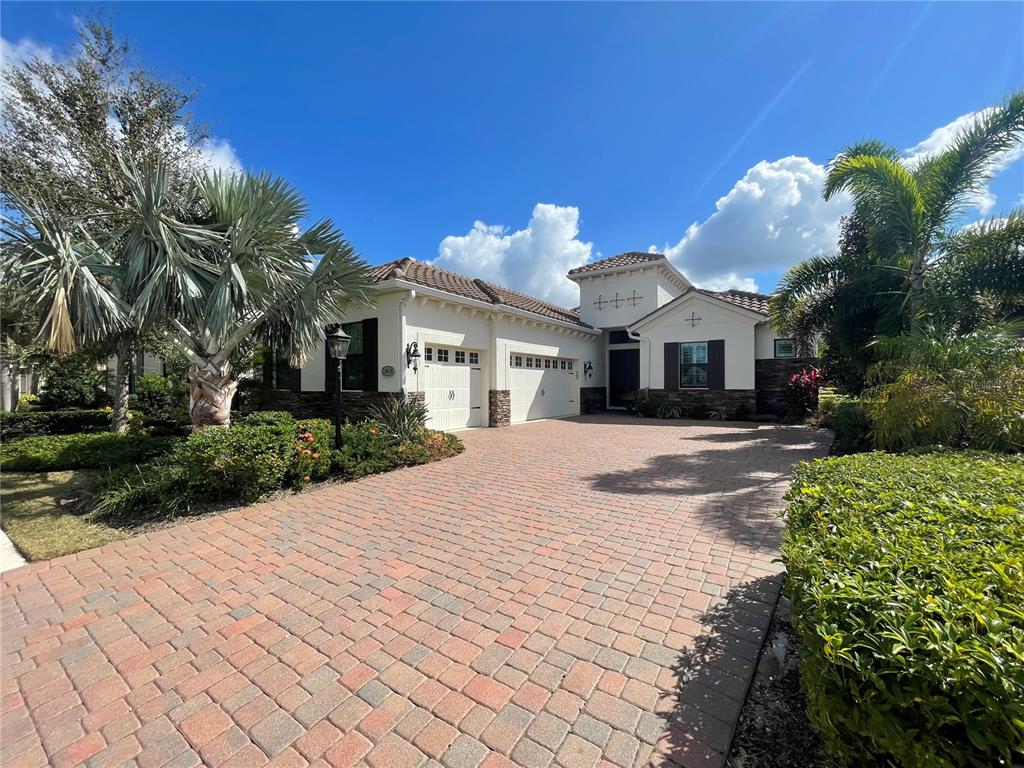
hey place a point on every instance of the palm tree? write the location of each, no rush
(227, 265)
(898, 262)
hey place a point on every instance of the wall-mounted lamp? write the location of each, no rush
(412, 356)
(588, 369)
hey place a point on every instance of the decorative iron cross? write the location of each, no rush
(617, 301)
(601, 302)
(694, 319)
(634, 299)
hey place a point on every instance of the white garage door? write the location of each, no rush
(542, 387)
(451, 387)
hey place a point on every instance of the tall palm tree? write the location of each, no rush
(227, 265)
(903, 263)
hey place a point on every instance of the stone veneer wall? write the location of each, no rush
(499, 408)
(320, 405)
(732, 403)
(592, 399)
(770, 377)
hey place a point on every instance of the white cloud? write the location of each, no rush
(533, 260)
(220, 155)
(21, 51)
(771, 218)
(941, 138)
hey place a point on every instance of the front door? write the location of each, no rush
(623, 376)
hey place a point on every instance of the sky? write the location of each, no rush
(516, 141)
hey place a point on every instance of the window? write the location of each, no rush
(460, 356)
(547, 363)
(353, 366)
(785, 348)
(428, 354)
(563, 365)
(537, 362)
(529, 362)
(442, 355)
(570, 365)
(474, 358)
(519, 361)
(693, 362)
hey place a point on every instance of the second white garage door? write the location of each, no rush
(451, 381)
(542, 387)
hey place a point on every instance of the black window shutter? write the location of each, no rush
(716, 364)
(295, 383)
(672, 365)
(370, 355)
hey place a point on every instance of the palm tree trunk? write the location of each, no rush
(916, 289)
(210, 391)
(122, 382)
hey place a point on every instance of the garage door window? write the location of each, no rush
(474, 358)
(442, 355)
(460, 356)
(428, 354)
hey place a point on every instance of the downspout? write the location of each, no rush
(638, 337)
(402, 342)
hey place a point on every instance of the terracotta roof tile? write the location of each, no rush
(755, 302)
(422, 273)
(620, 260)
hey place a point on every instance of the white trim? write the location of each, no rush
(662, 264)
(680, 300)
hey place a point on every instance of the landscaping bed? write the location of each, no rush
(907, 579)
(65, 493)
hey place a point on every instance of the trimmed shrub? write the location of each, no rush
(852, 427)
(312, 441)
(367, 450)
(242, 461)
(266, 418)
(829, 400)
(28, 400)
(15, 425)
(51, 453)
(153, 394)
(907, 580)
(72, 381)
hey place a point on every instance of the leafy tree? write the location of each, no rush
(226, 266)
(67, 126)
(899, 264)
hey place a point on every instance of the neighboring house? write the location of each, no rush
(492, 356)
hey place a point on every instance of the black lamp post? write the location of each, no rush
(337, 345)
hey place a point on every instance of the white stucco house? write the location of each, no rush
(490, 356)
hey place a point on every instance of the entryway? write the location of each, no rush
(623, 376)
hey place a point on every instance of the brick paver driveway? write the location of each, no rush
(565, 592)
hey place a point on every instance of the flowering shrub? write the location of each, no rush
(802, 392)
(312, 444)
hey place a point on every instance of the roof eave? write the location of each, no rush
(664, 309)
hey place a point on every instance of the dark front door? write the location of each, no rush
(623, 376)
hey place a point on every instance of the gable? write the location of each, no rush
(695, 308)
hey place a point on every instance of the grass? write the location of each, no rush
(41, 514)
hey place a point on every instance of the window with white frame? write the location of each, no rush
(474, 358)
(693, 364)
(529, 362)
(442, 355)
(460, 356)
(519, 361)
(547, 362)
(428, 354)
(570, 365)
(563, 364)
(785, 347)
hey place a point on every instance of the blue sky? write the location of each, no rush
(514, 141)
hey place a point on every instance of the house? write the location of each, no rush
(481, 354)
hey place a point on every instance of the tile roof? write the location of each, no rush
(755, 302)
(422, 273)
(621, 260)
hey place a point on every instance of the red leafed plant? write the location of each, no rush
(802, 392)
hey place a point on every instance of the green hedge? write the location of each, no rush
(907, 580)
(100, 450)
(66, 422)
(366, 449)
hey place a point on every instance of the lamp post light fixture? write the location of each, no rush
(337, 346)
(412, 356)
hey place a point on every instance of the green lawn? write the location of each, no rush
(40, 514)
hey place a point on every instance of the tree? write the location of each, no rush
(223, 266)
(68, 124)
(898, 264)
(910, 207)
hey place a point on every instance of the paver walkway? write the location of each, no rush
(565, 592)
